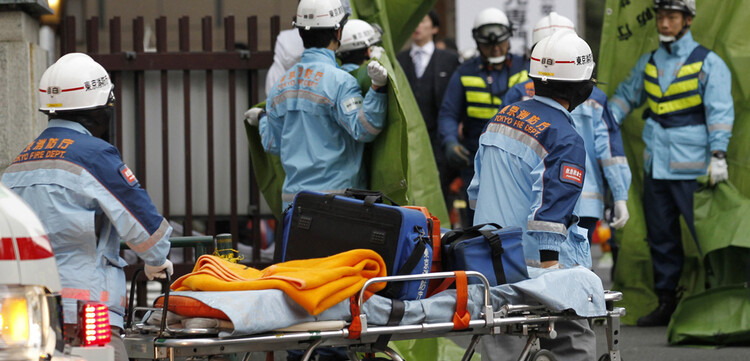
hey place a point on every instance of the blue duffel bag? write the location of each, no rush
(320, 225)
(496, 253)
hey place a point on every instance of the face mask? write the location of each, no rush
(579, 93)
(667, 38)
(496, 60)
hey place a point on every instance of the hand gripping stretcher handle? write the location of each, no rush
(131, 305)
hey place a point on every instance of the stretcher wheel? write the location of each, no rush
(543, 355)
(606, 357)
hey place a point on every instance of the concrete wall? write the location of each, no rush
(22, 63)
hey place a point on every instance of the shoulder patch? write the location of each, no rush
(352, 104)
(571, 173)
(128, 175)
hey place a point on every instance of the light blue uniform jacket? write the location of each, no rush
(88, 201)
(529, 172)
(318, 123)
(605, 154)
(680, 152)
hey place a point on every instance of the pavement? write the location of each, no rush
(650, 343)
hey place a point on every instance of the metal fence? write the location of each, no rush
(177, 118)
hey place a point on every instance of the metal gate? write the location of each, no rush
(195, 165)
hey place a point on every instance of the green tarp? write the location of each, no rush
(400, 161)
(629, 31)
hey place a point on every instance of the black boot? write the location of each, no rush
(662, 314)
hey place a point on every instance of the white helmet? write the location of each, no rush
(357, 34)
(562, 56)
(491, 26)
(548, 25)
(686, 6)
(377, 34)
(74, 82)
(320, 14)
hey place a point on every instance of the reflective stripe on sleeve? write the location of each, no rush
(76, 293)
(152, 240)
(365, 123)
(687, 165)
(592, 195)
(715, 127)
(544, 226)
(104, 296)
(614, 161)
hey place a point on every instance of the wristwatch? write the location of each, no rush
(718, 154)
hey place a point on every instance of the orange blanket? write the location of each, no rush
(316, 284)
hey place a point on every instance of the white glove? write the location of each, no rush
(377, 73)
(717, 170)
(621, 214)
(252, 116)
(158, 271)
(376, 52)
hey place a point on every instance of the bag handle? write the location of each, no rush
(370, 197)
(469, 232)
(496, 245)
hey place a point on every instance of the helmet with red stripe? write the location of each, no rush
(562, 56)
(74, 82)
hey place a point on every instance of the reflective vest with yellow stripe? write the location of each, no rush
(682, 103)
(480, 102)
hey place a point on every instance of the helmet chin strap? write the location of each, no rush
(669, 39)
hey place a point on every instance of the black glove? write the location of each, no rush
(457, 155)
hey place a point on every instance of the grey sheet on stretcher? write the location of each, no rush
(252, 312)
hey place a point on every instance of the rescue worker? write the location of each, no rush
(357, 42)
(287, 52)
(530, 169)
(601, 138)
(689, 120)
(86, 197)
(475, 92)
(317, 119)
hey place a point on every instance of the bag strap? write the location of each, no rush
(496, 245)
(461, 317)
(416, 255)
(398, 309)
(355, 328)
(469, 232)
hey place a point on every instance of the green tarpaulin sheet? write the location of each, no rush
(400, 161)
(629, 31)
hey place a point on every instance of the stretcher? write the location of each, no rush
(268, 321)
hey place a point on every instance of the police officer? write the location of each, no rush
(688, 125)
(601, 137)
(475, 91)
(86, 197)
(530, 169)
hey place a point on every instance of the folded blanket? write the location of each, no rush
(316, 284)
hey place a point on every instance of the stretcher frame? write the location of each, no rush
(146, 342)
